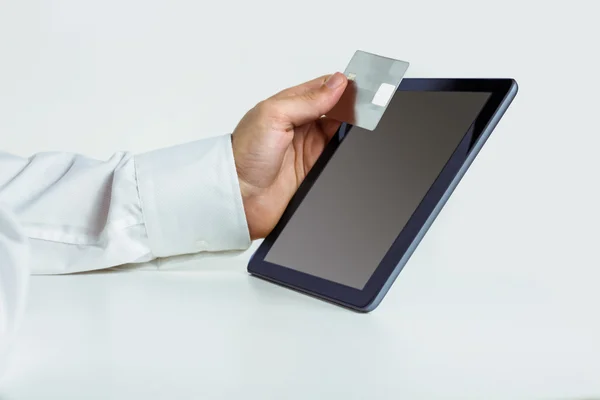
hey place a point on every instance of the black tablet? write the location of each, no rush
(365, 205)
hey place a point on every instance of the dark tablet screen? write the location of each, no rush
(372, 185)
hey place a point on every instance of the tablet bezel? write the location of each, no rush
(502, 91)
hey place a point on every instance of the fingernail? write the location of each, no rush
(334, 80)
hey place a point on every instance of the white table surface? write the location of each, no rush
(208, 330)
(500, 301)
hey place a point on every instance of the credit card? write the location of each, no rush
(373, 80)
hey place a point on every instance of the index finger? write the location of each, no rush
(302, 88)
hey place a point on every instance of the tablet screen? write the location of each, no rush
(372, 185)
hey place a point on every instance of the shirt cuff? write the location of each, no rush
(191, 200)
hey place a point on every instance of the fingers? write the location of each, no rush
(311, 103)
(329, 127)
(317, 139)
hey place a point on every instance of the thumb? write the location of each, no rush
(314, 103)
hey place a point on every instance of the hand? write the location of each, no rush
(277, 142)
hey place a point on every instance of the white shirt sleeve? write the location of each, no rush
(82, 214)
(14, 274)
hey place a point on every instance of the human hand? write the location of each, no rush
(277, 142)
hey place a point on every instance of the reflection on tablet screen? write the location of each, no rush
(372, 185)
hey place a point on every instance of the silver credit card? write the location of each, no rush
(373, 80)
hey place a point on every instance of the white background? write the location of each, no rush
(502, 298)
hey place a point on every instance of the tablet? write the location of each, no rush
(366, 204)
